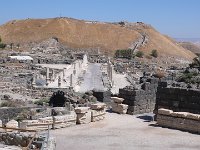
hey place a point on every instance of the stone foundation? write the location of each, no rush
(55, 122)
(177, 99)
(179, 120)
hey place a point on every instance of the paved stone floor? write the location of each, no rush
(124, 132)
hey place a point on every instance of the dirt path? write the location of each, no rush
(124, 132)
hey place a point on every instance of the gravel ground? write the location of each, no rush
(124, 132)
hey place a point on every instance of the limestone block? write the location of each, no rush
(12, 124)
(1, 124)
(163, 111)
(98, 106)
(117, 100)
(179, 114)
(119, 108)
(80, 110)
(98, 115)
(84, 118)
(193, 116)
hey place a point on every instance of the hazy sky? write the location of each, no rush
(176, 18)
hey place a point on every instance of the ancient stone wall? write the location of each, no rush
(177, 99)
(102, 96)
(179, 120)
(140, 100)
(9, 113)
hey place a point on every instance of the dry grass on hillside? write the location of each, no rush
(82, 34)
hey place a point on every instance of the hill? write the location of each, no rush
(191, 46)
(107, 37)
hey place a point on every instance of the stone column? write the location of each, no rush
(71, 80)
(64, 70)
(47, 75)
(53, 75)
(59, 81)
(74, 71)
(33, 82)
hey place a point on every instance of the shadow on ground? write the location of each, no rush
(146, 117)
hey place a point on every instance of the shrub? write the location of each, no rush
(139, 54)
(2, 45)
(41, 102)
(154, 53)
(8, 104)
(124, 53)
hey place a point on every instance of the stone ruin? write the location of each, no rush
(57, 99)
(179, 120)
(140, 99)
(177, 98)
(117, 105)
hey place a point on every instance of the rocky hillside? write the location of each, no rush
(107, 37)
(191, 46)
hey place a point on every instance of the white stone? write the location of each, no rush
(163, 111)
(81, 110)
(119, 108)
(179, 114)
(12, 124)
(117, 100)
(98, 106)
(84, 118)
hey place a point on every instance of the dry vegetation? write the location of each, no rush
(81, 34)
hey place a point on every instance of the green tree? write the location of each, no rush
(139, 54)
(2, 45)
(154, 53)
(0, 39)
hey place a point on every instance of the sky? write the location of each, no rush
(176, 18)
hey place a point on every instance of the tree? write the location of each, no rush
(0, 39)
(154, 53)
(195, 63)
(2, 45)
(11, 45)
(18, 45)
(139, 54)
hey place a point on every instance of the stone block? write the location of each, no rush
(119, 108)
(98, 106)
(117, 100)
(193, 116)
(80, 110)
(84, 118)
(12, 124)
(179, 114)
(98, 115)
(163, 111)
